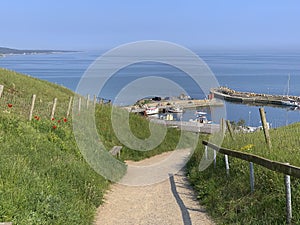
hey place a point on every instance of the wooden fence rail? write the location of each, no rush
(272, 165)
(285, 168)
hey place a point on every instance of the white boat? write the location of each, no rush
(201, 119)
(290, 102)
(200, 113)
(151, 110)
(175, 109)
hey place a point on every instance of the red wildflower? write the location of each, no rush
(52, 119)
(58, 121)
(37, 118)
(65, 120)
(54, 127)
(9, 105)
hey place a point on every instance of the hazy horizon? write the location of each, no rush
(70, 25)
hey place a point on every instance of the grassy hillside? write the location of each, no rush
(228, 199)
(18, 91)
(45, 180)
(43, 176)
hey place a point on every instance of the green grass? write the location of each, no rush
(18, 91)
(44, 178)
(140, 128)
(229, 200)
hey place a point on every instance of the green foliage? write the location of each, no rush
(139, 127)
(18, 91)
(229, 200)
(44, 178)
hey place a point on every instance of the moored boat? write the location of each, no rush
(175, 109)
(201, 118)
(290, 102)
(151, 110)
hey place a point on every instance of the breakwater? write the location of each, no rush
(250, 97)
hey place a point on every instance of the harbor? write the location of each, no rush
(169, 111)
(173, 110)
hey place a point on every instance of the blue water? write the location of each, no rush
(263, 72)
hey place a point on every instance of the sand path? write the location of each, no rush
(170, 202)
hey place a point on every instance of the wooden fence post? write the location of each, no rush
(205, 152)
(251, 177)
(287, 181)
(69, 106)
(87, 101)
(226, 164)
(223, 128)
(53, 108)
(95, 100)
(1, 90)
(265, 127)
(79, 104)
(32, 107)
(230, 129)
(215, 159)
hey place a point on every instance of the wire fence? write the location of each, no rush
(21, 106)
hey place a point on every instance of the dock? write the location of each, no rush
(228, 94)
(190, 126)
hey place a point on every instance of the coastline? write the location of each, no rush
(11, 52)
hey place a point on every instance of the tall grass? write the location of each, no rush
(229, 200)
(44, 178)
(139, 127)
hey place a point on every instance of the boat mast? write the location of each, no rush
(288, 86)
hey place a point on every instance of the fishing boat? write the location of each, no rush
(201, 118)
(151, 110)
(200, 113)
(175, 109)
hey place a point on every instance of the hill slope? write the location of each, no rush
(228, 198)
(43, 176)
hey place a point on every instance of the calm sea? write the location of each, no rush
(263, 72)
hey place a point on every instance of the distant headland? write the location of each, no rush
(11, 51)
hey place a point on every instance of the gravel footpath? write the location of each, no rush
(170, 202)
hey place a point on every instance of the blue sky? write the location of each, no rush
(96, 24)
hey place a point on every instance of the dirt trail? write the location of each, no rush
(171, 202)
